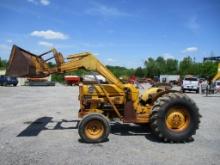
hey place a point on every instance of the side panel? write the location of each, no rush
(129, 113)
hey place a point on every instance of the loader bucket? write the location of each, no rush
(25, 64)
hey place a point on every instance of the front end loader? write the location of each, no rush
(172, 115)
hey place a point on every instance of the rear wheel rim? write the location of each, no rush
(94, 129)
(177, 119)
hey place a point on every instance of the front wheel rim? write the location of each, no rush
(94, 129)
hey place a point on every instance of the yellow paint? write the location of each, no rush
(94, 129)
(92, 97)
(217, 76)
(177, 119)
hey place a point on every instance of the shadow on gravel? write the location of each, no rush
(40, 124)
(138, 130)
(94, 144)
(44, 123)
(133, 130)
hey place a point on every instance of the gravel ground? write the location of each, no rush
(38, 125)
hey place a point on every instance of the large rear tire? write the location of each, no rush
(175, 117)
(94, 128)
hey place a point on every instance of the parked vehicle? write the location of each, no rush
(39, 82)
(93, 79)
(190, 84)
(72, 80)
(8, 80)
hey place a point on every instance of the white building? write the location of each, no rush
(169, 78)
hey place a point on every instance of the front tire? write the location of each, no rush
(94, 128)
(175, 117)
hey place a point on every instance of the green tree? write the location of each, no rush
(209, 69)
(171, 66)
(119, 71)
(58, 77)
(197, 69)
(3, 63)
(186, 66)
(161, 65)
(139, 72)
(151, 67)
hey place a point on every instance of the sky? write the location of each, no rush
(118, 32)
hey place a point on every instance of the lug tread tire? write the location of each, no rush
(157, 120)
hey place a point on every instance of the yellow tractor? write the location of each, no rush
(172, 115)
(217, 59)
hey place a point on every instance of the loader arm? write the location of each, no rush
(89, 62)
(26, 64)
